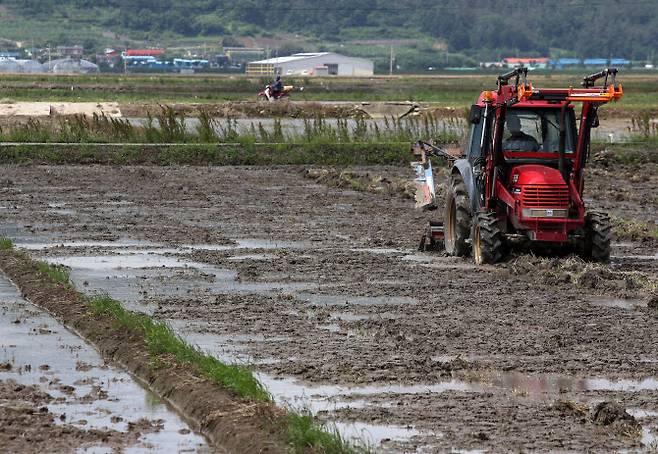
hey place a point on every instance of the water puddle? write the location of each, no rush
(250, 243)
(374, 434)
(329, 397)
(228, 348)
(544, 384)
(619, 303)
(649, 438)
(636, 257)
(117, 262)
(347, 300)
(378, 250)
(61, 211)
(331, 327)
(122, 243)
(264, 257)
(132, 275)
(348, 317)
(641, 413)
(89, 393)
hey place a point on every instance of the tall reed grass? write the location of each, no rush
(169, 126)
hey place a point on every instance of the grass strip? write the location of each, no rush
(209, 154)
(161, 340)
(300, 430)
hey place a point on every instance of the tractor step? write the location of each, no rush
(432, 239)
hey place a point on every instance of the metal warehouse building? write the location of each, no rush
(313, 64)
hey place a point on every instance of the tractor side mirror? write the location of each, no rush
(475, 115)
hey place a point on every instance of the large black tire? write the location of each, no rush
(457, 217)
(598, 234)
(488, 241)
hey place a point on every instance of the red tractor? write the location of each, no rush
(521, 176)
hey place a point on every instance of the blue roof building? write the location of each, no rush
(595, 62)
(561, 63)
(619, 62)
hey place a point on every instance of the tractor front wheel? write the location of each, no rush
(598, 233)
(457, 217)
(488, 240)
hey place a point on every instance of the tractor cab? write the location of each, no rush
(529, 165)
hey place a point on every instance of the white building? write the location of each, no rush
(70, 66)
(313, 64)
(21, 66)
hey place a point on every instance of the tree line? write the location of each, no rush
(583, 28)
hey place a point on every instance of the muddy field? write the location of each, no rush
(58, 395)
(315, 280)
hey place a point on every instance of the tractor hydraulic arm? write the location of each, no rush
(589, 81)
(424, 149)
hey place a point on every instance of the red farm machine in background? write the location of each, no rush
(521, 177)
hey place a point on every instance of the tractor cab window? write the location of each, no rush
(536, 130)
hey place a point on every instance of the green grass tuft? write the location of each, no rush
(303, 432)
(57, 273)
(161, 340)
(6, 244)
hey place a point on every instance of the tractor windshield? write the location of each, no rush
(536, 130)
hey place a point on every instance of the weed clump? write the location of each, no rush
(6, 244)
(56, 273)
(304, 432)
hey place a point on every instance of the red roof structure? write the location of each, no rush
(525, 61)
(144, 52)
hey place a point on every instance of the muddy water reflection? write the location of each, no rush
(132, 275)
(548, 384)
(43, 353)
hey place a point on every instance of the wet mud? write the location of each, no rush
(315, 280)
(58, 395)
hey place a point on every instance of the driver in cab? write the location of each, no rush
(518, 140)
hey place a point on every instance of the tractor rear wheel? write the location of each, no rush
(598, 233)
(457, 217)
(488, 240)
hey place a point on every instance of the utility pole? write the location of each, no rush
(390, 63)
